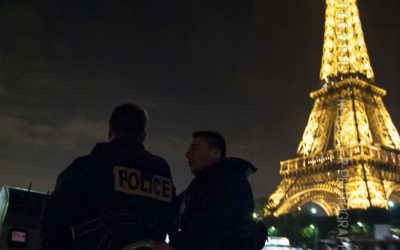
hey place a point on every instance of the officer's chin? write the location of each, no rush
(193, 168)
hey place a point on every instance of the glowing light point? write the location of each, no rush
(390, 203)
(360, 224)
(254, 215)
(312, 226)
(313, 210)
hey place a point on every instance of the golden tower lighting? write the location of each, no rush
(349, 155)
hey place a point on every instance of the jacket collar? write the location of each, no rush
(128, 141)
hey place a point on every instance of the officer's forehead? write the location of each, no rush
(199, 141)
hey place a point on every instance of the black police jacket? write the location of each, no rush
(216, 209)
(118, 194)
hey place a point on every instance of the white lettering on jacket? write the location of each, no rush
(131, 181)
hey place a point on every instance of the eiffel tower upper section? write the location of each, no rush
(346, 74)
(344, 51)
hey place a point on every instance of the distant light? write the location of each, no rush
(360, 224)
(312, 226)
(299, 208)
(273, 229)
(277, 241)
(254, 215)
(313, 210)
(391, 203)
(395, 237)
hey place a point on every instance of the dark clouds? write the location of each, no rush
(244, 68)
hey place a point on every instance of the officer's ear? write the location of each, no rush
(216, 154)
(142, 136)
(111, 134)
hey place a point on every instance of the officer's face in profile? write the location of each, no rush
(200, 156)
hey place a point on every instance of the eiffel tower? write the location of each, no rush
(349, 155)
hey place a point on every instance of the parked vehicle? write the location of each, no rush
(20, 212)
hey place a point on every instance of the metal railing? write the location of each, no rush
(340, 155)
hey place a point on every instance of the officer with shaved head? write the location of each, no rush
(118, 194)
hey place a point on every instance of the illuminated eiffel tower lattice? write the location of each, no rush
(349, 155)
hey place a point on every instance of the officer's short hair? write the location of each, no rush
(128, 119)
(213, 140)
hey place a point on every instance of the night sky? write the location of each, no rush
(243, 68)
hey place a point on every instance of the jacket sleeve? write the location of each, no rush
(61, 207)
(173, 207)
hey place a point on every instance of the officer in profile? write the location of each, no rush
(215, 211)
(118, 194)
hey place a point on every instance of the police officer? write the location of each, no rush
(215, 211)
(118, 194)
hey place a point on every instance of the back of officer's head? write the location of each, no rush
(213, 139)
(128, 120)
